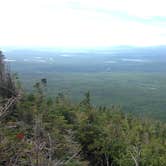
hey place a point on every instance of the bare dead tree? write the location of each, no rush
(7, 84)
(8, 91)
(135, 153)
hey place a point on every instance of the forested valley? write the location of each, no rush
(39, 130)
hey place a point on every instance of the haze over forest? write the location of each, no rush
(109, 48)
(82, 83)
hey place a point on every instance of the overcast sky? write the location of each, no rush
(82, 23)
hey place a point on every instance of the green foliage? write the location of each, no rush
(56, 131)
(139, 93)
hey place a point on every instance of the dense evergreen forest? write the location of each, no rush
(38, 131)
(132, 77)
